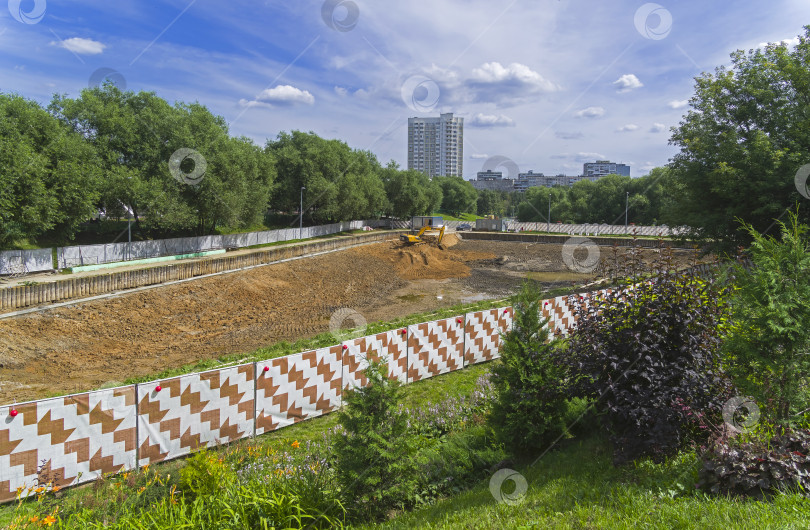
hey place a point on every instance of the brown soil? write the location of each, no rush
(100, 343)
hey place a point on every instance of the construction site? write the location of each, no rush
(100, 343)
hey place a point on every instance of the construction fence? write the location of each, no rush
(110, 253)
(75, 439)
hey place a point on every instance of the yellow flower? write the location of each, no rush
(142, 489)
(40, 489)
(296, 445)
(49, 520)
(56, 488)
(33, 519)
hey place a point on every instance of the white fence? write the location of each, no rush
(25, 261)
(96, 254)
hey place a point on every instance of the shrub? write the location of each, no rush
(770, 342)
(649, 355)
(757, 467)
(530, 380)
(205, 473)
(374, 454)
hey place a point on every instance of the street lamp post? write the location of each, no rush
(301, 215)
(548, 219)
(626, 201)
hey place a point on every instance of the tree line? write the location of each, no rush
(111, 151)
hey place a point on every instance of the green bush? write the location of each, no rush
(530, 381)
(649, 355)
(374, 454)
(770, 341)
(205, 474)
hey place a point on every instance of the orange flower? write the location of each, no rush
(296, 445)
(49, 520)
(40, 489)
(33, 519)
(56, 488)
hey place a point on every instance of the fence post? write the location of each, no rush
(137, 431)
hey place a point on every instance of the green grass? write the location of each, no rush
(468, 217)
(576, 486)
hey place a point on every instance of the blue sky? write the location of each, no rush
(549, 84)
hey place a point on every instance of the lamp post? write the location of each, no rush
(548, 219)
(626, 201)
(301, 215)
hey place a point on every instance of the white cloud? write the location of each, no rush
(285, 95)
(490, 120)
(590, 112)
(340, 91)
(479, 157)
(81, 46)
(514, 73)
(628, 128)
(657, 128)
(250, 104)
(628, 82)
(678, 103)
(790, 43)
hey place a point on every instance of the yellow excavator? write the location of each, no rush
(422, 237)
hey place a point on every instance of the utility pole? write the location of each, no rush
(626, 201)
(301, 215)
(548, 219)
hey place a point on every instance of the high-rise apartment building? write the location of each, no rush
(436, 145)
(601, 168)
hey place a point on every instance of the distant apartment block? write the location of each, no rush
(436, 145)
(493, 180)
(602, 168)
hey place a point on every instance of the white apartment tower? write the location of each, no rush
(436, 145)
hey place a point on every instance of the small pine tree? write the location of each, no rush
(374, 456)
(530, 380)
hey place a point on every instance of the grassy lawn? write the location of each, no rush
(575, 485)
(469, 217)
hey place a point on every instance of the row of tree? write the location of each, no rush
(175, 169)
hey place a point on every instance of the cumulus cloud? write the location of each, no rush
(678, 103)
(790, 43)
(628, 82)
(628, 128)
(81, 46)
(568, 135)
(281, 95)
(515, 73)
(495, 83)
(590, 112)
(657, 128)
(491, 120)
(340, 91)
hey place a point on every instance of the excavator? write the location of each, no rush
(422, 237)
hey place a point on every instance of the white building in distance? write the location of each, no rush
(436, 145)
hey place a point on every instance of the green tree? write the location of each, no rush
(410, 192)
(530, 380)
(49, 175)
(374, 455)
(742, 142)
(458, 195)
(770, 342)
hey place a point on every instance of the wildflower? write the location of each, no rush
(296, 445)
(33, 519)
(142, 489)
(39, 489)
(49, 520)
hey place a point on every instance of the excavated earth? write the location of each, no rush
(101, 343)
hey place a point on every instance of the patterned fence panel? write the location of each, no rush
(297, 387)
(66, 440)
(435, 348)
(560, 314)
(192, 411)
(392, 346)
(483, 334)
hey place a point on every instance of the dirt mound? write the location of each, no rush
(426, 262)
(450, 240)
